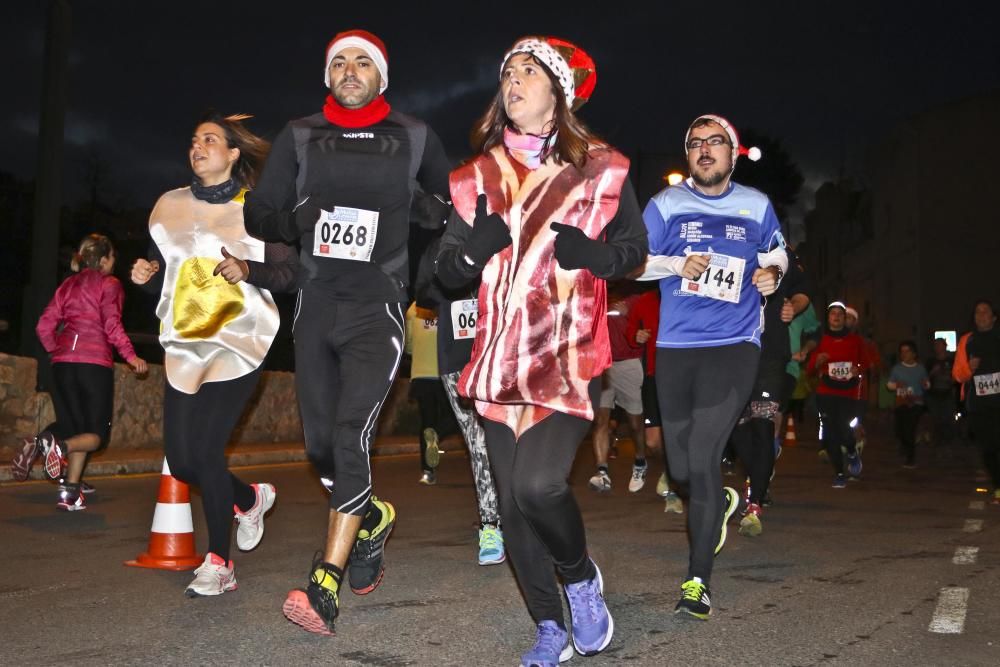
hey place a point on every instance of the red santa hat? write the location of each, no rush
(573, 68)
(367, 42)
(753, 152)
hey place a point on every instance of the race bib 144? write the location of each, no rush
(722, 280)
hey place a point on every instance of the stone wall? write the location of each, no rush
(272, 416)
(23, 411)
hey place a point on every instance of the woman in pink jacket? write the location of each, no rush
(79, 328)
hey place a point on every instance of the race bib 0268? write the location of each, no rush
(463, 318)
(722, 280)
(346, 233)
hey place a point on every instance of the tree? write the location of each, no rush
(774, 174)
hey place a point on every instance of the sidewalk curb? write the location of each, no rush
(140, 461)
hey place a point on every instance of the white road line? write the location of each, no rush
(949, 615)
(965, 555)
(977, 505)
(972, 526)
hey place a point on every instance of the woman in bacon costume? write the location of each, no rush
(545, 214)
(217, 322)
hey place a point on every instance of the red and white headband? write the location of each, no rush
(551, 58)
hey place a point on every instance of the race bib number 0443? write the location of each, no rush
(722, 280)
(840, 370)
(346, 233)
(463, 318)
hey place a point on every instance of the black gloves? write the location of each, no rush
(575, 250)
(306, 217)
(490, 234)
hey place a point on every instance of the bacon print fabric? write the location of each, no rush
(541, 334)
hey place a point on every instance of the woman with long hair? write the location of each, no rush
(544, 214)
(218, 321)
(80, 328)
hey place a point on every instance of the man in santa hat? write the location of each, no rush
(339, 183)
(717, 250)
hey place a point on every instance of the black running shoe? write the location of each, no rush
(316, 607)
(84, 487)
(695, 600)
(365, 567)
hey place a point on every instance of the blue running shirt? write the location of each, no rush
(737, 224)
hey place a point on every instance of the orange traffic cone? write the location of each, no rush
(790, 439)
(171, 542)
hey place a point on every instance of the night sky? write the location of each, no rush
(827, 79)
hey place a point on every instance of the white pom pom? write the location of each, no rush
(754, 153)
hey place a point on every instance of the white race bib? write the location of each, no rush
(987, 385)
(722, 280)
(903, 392)
(840, 370)
(346, 233)
(463, 318)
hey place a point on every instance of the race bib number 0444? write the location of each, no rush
(722, 280)
(346, 233)
(463, 318)
(987, 385)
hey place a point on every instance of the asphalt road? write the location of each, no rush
(852, 577)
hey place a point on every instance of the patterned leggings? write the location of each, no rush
(475, 438)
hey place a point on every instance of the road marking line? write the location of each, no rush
(972, 526)
(977, 505)
(949, 615)
(965, 555)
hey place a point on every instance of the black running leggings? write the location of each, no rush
(836, 414)
(986, 432)
(753, 436)
(346, 357)
(754, 443)
(196, 429)
(906, 419)
(702, 392)
(542, 526)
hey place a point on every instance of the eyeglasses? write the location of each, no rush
(714, 140)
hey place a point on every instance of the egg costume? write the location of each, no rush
(215, 337)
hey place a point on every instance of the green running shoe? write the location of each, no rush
(366, 567)
(731, 501)
(695, 600)
(432, 455)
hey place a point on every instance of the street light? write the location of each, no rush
(673, 178)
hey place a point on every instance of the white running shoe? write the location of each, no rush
(251, 522)
(213, 577)
(638, 478)
(673, 503)
(601, 482)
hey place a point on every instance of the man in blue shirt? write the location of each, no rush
(717, 250)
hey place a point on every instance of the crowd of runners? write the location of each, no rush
(550, 299)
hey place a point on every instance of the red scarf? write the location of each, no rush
(367, 115)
